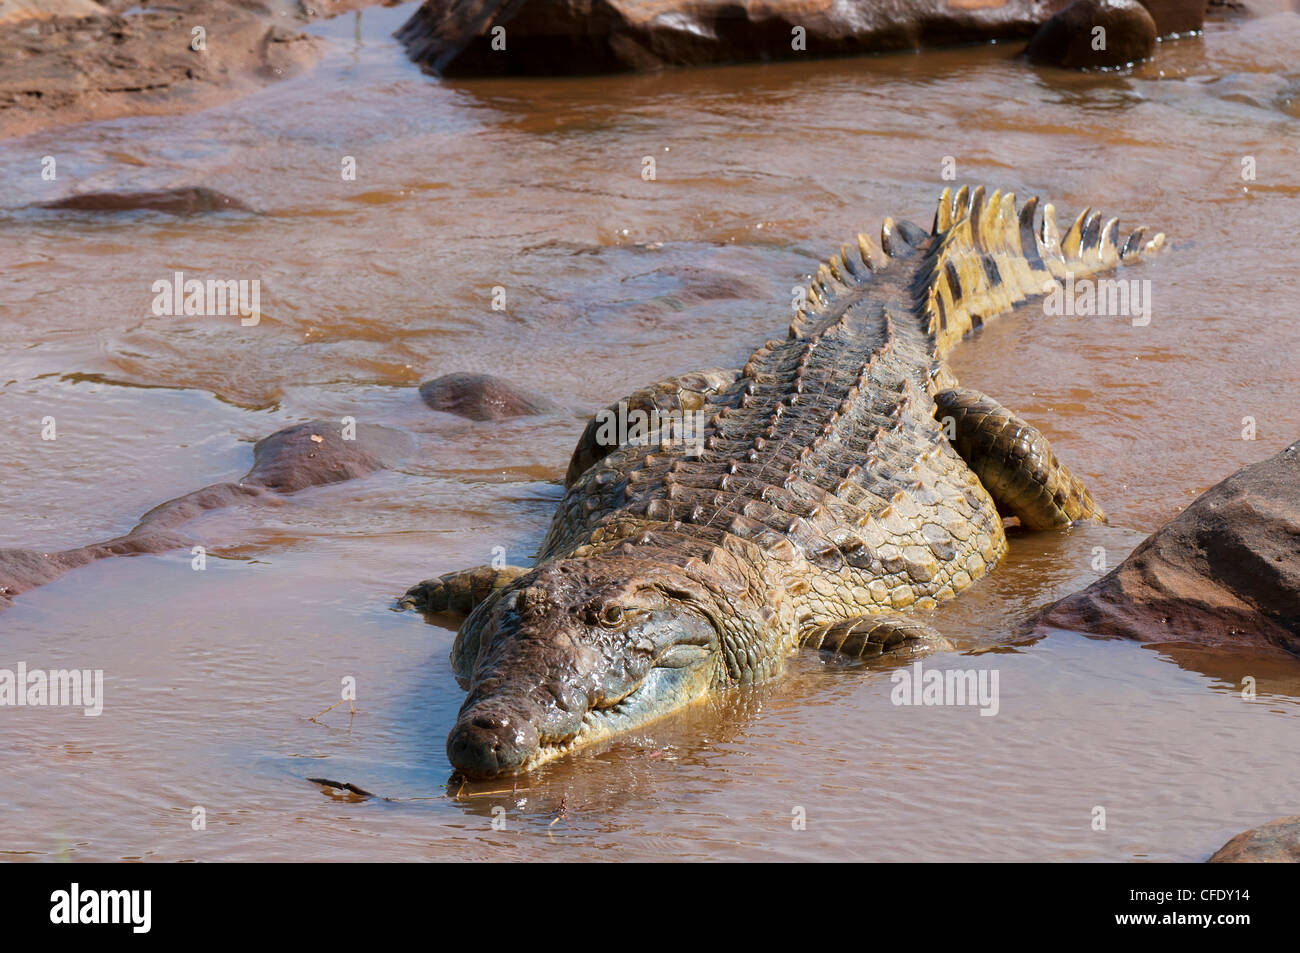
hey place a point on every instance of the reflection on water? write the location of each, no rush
(370, 286)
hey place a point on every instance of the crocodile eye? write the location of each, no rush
(612, 614)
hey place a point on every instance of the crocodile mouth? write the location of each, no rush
(666, 689)
(634, 709)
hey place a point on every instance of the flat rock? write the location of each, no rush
(483, 397)
(1224, 572)
(1277, 842)
(1071, 39)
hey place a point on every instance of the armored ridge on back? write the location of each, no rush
(844, 482)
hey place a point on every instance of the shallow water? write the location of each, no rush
(370, 287)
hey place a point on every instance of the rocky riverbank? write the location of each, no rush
(484, 37)
(66, 61)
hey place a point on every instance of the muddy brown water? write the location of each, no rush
(371, 286)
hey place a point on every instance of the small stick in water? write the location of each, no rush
(352, 711)
(342, 786)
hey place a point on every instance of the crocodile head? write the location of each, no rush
(574, 652)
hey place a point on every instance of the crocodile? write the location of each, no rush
(834, 488)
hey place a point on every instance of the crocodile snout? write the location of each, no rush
(490, 744)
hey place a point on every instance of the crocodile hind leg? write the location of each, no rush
(1014, 461)
(459, 591)
(870, 636)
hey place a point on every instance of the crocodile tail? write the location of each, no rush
(981, 258)
(853, 267)
(985, 257)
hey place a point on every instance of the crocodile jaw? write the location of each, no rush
(509, 749)
(665, 691)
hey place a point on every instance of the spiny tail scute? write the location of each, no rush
(982, 257)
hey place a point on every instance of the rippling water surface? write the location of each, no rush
(370, 287)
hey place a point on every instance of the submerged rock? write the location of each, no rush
(184, 201)
(315, 453)
(483, 397)
(1095, 34)
(1224, 572)
(23, 569)
(1277, 842)
(594, 36)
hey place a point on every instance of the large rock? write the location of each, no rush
(1224, 572)
(1095, 34)
(591, 36)
(1174, 17)
(1277, 842)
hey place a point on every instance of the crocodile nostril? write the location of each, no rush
(487, 744)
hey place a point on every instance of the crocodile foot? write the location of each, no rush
(1014, 461)
(871, 636)
(458, 591)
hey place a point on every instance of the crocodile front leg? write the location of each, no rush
(869, 636)
(459, 591)
(1014, 461)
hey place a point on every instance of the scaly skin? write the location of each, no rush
(827, 499)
